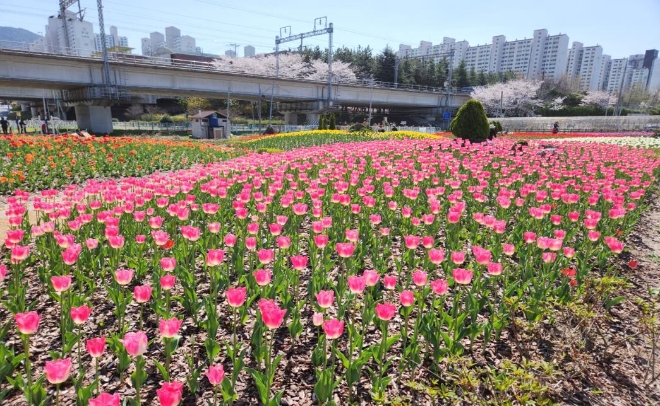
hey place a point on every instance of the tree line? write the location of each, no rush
(411, 71)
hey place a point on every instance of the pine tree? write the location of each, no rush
(333, 123)
(461, 75)
(470, 122)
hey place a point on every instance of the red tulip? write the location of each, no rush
(61, 283)
(27, 323)
(95, 346)
(105, 399)
(236, 296)
(462, 276)
(385, 311)
(216, 374)
(58, 371)
(333, 328)
(271, 314)
(135, 343)
(142, 294)
(79, 315)
(325, 298)
(167, 282)
(169, 327)
(170, 393)
(631, 264)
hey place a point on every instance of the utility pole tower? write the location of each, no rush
(64, 5)
(235, 47)
(106, 65)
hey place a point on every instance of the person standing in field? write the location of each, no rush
(4, 124)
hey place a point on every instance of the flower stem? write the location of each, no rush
(28, 369)
(138, 365)
(98, 384)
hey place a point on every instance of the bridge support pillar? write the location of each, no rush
(95, 119)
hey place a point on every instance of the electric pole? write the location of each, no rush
(235, 47)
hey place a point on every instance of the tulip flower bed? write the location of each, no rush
(637, 142)
(532, 135)
(35, 163)
(352, 273)
(292, 140)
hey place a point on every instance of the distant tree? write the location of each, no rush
(472, 77)
(193, 104)
(333, 123)
(599, 99)
(470, 122)
(385, 65)
(441, 72)
(461, 75)
(482, 80)
(514, 98)
(322, 123)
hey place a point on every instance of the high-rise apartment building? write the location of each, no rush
(112, 40)
(248, 51)
(615, 77)
(538, 57)
(171, 35)
(80, 34)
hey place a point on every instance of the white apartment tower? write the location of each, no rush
(248, 51)
(81, 35)
(616, 75)
(171, 35)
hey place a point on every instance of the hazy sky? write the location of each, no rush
(620, 27)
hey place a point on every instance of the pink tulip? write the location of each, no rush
(215, 257)
(458, 257)
(266, 256)
(27, 323)
(190, 233)
(299, 262)
(124, 276)
(593, 235)
(168, 264)
(436, 256)
(333, 328)
(569, 252)
(439, 286)
(356, 284)
(214, 228)
(419, 278)
(91, 243)
(19, 254)
(548, 257)
(58, 371)
(615, 245)
(170, 393)
(317, 319)
(529, 237)
(453, 217)
(462, 276)
(236, 296)
(160, 237)
(251, 243)
(389, 281)
(283, 242)
(169, 328)
(271, 314)
(215, 374)
(79, 315)
(95, 346)
(481, 255)
(321, 241)
(15, 236)
(275, 229)
(230, 240)
(116, 242)
(411, 241)
(494, 268)
(135, 343)
(142, 294)
(105, 399)
(407, 298)
(262, 276)
(345, 250)
(167, 282)
(508, 249)
(371, 277)
(61, 283)
(352, 235)
(385, 311)
(325, 298)
(253, 228)
(3, 272)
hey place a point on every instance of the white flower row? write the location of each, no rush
(638, 142)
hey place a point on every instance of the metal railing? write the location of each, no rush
(203, 66)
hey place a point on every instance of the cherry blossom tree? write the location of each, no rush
(291, 66)
(599, 98)
(514, 98)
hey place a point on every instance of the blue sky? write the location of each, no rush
(621, 27)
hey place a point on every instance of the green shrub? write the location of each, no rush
(470, 122)
(498, 126)
(359, 127)
(166, 119)
(333, 123)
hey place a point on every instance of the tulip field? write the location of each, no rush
(380, 272)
